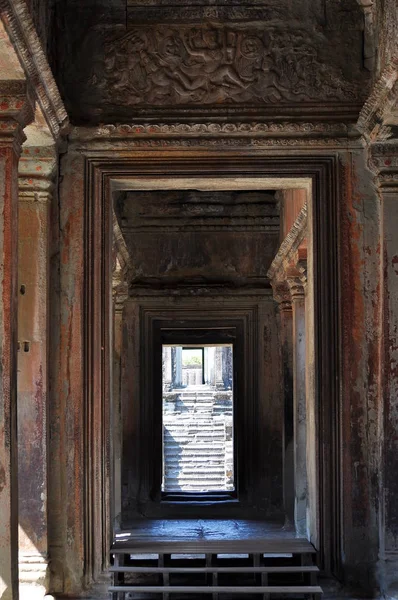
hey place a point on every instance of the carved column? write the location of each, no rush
(385, 164)
(219, 381)
(282, 297)
(11, 138)
(299, 403)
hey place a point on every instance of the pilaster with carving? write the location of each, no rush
(119, 296)
(282, 297)
(297, 292)
(37, 172)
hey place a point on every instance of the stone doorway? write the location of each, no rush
(319, 528)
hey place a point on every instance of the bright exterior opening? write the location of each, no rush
(198, 436)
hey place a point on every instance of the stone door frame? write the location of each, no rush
(102, 170)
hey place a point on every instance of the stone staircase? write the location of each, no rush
(198, 443)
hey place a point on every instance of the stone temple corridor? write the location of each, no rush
(198, 299)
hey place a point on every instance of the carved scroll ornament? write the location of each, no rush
(161, 65)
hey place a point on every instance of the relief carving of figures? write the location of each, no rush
(162, 65)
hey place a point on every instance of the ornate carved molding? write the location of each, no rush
(381, 101)
(383, 162)
(212, 65)
(37, 168)
(289, 246)
(21, 30)
(282, 295)
(211, 129)
(296, 287)
(15, 113)
(212, 134)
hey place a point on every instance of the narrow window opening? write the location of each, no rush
(198, 420)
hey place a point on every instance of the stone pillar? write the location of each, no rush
(11, 138)
(385, 162)
(167, 370)
(299, 404)
(118, 307)
(209, 355)
(227, 367)
(219, 381)
(36, 172)
(282, 297)
(178, 367)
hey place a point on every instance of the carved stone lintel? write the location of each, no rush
(268, 128)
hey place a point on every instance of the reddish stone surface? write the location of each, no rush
(32, 373)
(293, 202)
(390, 384)
(67, 409)
(360, 319)
(8, 373)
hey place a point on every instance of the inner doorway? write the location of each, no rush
(324, 231)
(198, 421)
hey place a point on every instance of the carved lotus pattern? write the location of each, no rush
(169, 65)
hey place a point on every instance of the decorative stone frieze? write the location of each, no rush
(256, 134)
(208, 64)
(213, 60)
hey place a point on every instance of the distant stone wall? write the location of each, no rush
(192, 375)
